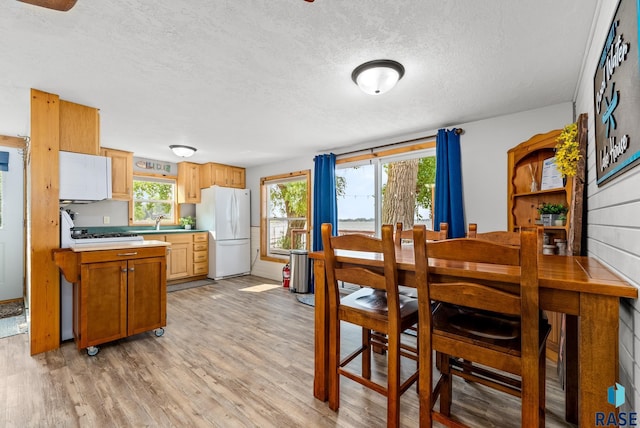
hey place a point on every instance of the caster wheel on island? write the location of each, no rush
(159, 332)
(92, 351)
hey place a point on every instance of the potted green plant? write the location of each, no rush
(187, 222)
(561, 220)
(549, 213)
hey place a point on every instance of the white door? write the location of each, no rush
(12, 227)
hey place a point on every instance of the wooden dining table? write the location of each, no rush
(580, 287)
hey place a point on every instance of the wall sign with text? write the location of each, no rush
(616, 88)
(150, 166)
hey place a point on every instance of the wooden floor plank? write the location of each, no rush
(229, 358)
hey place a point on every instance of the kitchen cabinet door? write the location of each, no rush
(237, 177)
(121, 173)
(79, 128)
(188, 183)
(219, 174)
(147, 295)
(181, 258)
(102, 303)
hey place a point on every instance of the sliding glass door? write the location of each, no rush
(386, 190)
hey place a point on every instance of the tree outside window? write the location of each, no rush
(285, 211)
(387, 190)
(153, 197)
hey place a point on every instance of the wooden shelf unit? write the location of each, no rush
(522, 203)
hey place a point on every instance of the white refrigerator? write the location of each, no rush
(224, 212)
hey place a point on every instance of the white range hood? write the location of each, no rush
(84, 178)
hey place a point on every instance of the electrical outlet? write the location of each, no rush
(106, 220)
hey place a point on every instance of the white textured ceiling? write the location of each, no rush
(249, 82)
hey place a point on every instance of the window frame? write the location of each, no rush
(137, 176)
(381, 157)
(304, 175)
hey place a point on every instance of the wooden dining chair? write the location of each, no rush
(407, 235)
(377, 307)
(498, 236)
(431, 235)
(493, 321)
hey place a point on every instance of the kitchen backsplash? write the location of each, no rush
(116, 212)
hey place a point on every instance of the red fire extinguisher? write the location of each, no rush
(286, 275)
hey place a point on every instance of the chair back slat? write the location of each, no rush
(475, 296)
(430, 235)
(498, 236)
(356, 242)
(361, 276)
(474, 250)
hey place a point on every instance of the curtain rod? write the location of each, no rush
(458, 131)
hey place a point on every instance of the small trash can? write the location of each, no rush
(299, 263)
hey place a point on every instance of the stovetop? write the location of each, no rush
(83, 234)
(71, 236)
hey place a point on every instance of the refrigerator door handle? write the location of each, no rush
(234, 206)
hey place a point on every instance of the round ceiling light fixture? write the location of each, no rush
(378, 76)
(183, 151)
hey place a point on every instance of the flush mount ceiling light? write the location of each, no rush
(378, 76)
(182, 151)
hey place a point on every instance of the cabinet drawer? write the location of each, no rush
(200, 268)
(200, 246)
(179, 238)
(122, 254)
(199, 237)
(199, 256)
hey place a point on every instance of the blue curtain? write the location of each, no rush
(4, 161)
(325, 205)
(448, 203)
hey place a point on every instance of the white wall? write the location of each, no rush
(484, 159)
(15, 108)
(484, 146)
(613, 223)
(268, 269)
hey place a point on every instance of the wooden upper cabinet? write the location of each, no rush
(221, 175)
(237, 177)
(79, 128)
(188, 183)
(121, 173)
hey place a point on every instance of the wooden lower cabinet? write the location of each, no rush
(120, 293)
(188, 256)
(180, 257)
(200, 253)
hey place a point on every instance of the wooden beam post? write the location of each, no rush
(44, 222)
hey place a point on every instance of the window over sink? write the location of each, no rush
(153, 197)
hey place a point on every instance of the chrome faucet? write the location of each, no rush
(157, 219)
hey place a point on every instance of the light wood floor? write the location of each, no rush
(231, 356)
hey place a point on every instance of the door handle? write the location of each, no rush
(132, 269)
(127, 254)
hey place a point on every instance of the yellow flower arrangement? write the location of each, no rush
(567, 152)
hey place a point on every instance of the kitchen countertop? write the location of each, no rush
(120, 246)
(163, 231)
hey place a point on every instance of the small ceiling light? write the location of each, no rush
(182, 151)
(378, 76)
